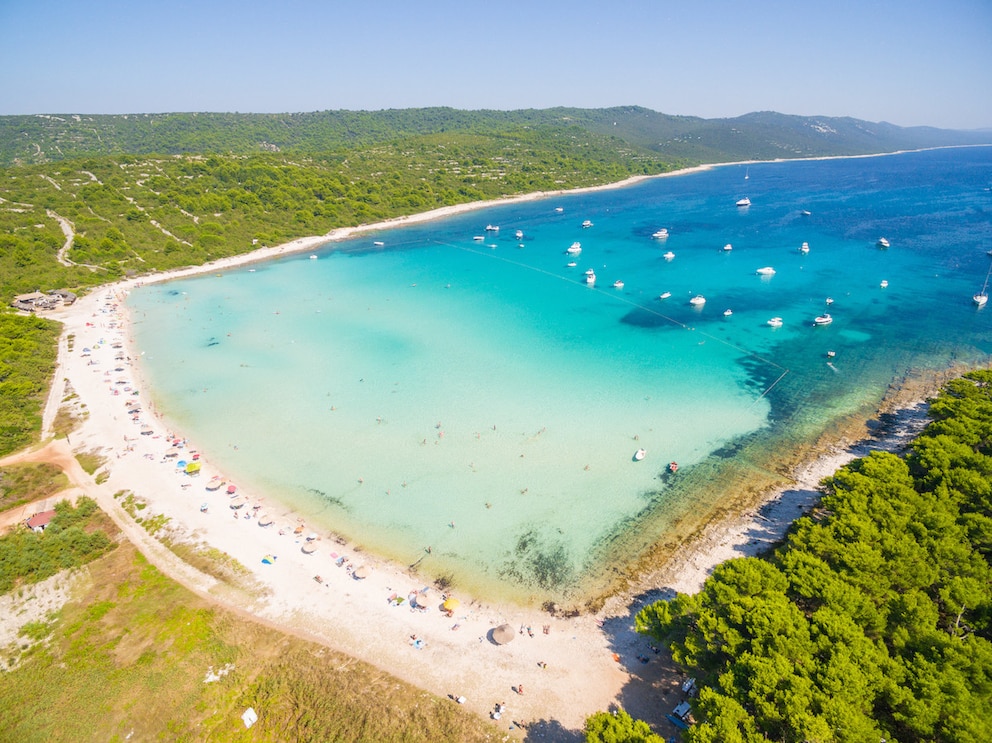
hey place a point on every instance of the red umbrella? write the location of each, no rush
(231, 489)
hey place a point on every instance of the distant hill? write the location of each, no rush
(756, 136)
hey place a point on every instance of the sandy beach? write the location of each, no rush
(311, 582)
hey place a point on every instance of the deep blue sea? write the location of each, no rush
(478, 397)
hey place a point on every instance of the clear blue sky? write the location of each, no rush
(908, 62)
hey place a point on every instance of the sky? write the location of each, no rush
(908, 62)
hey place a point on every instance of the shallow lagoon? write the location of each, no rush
(478, 398)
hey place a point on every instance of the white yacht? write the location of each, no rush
(744, 202)
(519, 234)
(884, 284)
(618, 284)
(668, 256)
(586, 223)
(639, 455)
(479, 238)
(775, 322)
(572, 264)
(574, 249)
(660, 234)
(492, 228)
(728, 312)
(590, 278)
(980, 299)
(765, 271)
(559, 209)
(804, 248)
(882, 242)
(378, 243)
(727, 248)
(823, 319)
(664, 295)
(698, 301)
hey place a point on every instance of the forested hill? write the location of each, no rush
(672, 139)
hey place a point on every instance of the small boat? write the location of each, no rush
(313, 257)
(571, 264)
(698, 301)
(664, 295)
(728, 312)
(559, 209)
(590, 272)
(673, 467)
(806, 212)
(775, 322)
(639, 455)
(574, 249)
(831, 354)
(884, 284)
(727, 248)
(744, 202)
(882, 243)
(492, 228)
(660, 234)
(519, 234)
(983, 296)
(590, 279)
(765, 271)
(668, 256)
(618, 284)
(479, 238)
(378, 243)
(586, 223)
(830, 300)
(804, 248)
(823, 319)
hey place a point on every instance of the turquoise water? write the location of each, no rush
(477, 397)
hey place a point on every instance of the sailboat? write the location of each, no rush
(747, 173)
(983, 296)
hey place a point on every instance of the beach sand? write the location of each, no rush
(569, 667)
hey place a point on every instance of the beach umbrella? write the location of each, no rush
(238, 502)
(146, 430)
(361, 572)
(173, 452)
(308, 548)
(503, 634)
(264, 520)
(215, 483)
(422, 600)
(192, 468)
(269, 559)
(231, 489)
(451, 604)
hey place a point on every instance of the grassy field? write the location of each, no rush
(128, 662)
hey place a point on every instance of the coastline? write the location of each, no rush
(582, 676)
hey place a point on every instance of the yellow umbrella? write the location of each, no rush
(451, 604)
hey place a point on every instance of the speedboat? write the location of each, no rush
(765, 271)
(313, 257)
(590, 278)
(698, 301)
(882, 242)
(830, 300)
(559, 209)
(519, 234)
(668, 256)
(378, 243)
(572, 264)
(823, 319)
(590, 272)
(618, 284)
(806, 212)
(660, 234)
(664, 295)
(478, 238)
(804, 248)
(884, 284)
(727, 248)
(673, 467)
(586, 223)
(744, 202)
(639, 455)
(728, 312)
(775, 322)
(574, 249)
(492, 228)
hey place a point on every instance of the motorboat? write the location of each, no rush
(884, 284)
(728, 312)
(574, 249)
(775, 322)
(804, 248)
(639, 455)
(313, 257)
(590, 279)
(823, 319)
(572, 264)
(660, 234)
(479, 238)
(559, 209)
(727, 248)
(492, 228)
(519, 234)
(980, 299)
(590, 272)
(378, 243)
(830, 300)
(698, 301)
(673, 467)
(744, 202)
(618, 284)
(586, 223)
(668, 256)
(831, 354)
(882, 242)
(766, 271)
(664, 295)
(806, 212)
